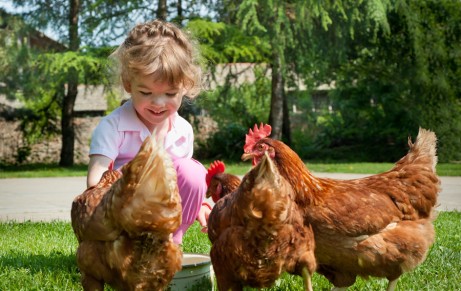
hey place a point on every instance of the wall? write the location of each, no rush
(47, 151)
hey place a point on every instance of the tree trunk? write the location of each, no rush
(67, 118)
(179, 11)
(286, 130)
(277, 98)
(162, 11)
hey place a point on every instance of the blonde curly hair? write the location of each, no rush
(165, 52)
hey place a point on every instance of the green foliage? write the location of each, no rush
(396, 65)
(14, 55)
(58, 66)
(226, 43)
(22, 153)
(292, 28)
(396, 83)
(235, 109)
(44, 89)
(228, 103)
(225, 144)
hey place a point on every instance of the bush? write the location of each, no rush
(227, 143)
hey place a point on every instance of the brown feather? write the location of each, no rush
(222, 184)
(379, 225)
(124, 225)
(257, 233)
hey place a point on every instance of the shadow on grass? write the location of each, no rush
(55, 262)
(59, 264)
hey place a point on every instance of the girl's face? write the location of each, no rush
(153, 101)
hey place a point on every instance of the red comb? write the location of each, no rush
(256, 134)
(215, 168)
(111, 166)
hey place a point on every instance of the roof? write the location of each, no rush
(89, 98)
(237, 73)
(34, 38)
(241, 73)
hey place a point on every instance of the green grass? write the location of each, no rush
(41, 170)
(53, 170)
(41, 256)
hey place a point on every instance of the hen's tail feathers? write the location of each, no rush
(148, 198)
(424, 149)
(417, 169)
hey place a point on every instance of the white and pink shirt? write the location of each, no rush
(119, 136)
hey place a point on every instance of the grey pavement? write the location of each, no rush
(46, 199)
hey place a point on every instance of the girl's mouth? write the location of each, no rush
(157, 113)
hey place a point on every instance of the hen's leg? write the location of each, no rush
(90, 283)
(227, 284)
(392, 285)
(307, 279)
(339, 289)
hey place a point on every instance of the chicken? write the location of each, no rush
(262, 234)
(124, 224)
(219, 183)
(380, 226)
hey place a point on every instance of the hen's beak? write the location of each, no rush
(208, 193)
(249, 156)
(246, 156)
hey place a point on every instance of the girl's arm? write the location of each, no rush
(97, 166)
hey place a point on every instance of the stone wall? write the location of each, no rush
(48, 151)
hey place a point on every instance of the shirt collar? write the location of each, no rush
(129, 120)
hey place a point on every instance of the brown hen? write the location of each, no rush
(220, 183)
(264, 234)
(381, 225)
(124, 225)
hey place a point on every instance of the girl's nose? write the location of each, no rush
(159, 100)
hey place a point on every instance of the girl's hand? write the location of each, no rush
(203, 215)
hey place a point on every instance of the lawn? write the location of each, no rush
(41, 256)
(53, 170)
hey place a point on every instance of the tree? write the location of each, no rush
(397, 82)
(67, 118)
(288, 26)
(75, 22)
(63, 14)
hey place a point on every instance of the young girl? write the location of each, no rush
(158, 66)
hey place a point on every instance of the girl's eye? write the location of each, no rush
(171, 94)
(144, 93)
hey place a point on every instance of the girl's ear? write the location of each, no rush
(127, 86)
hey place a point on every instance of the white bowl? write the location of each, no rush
(196, 269)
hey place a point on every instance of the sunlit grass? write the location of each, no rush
(240, 168)
(41, 170)
(41, 256)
